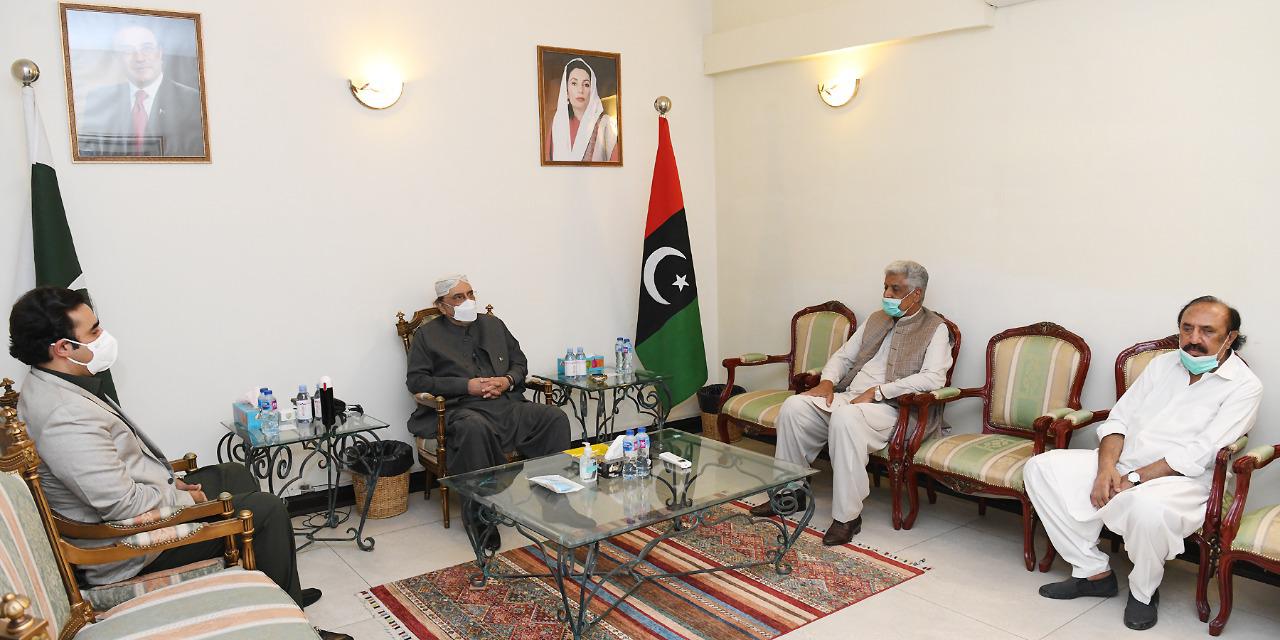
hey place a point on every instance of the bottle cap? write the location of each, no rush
(631, 432)
(302, 388)
(641, 430)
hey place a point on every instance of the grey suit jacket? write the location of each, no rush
(440, 363)
(95, 466)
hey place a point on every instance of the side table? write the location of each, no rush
(332, 450)
(646, 390)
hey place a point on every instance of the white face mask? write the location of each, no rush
(466, 312)
(104, 350)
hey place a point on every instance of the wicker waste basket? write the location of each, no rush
(709, 401)
(391, 496)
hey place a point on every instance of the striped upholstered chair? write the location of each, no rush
(1252, 537)
(1129, 365)
(40, 596)
(1034, 375)
(816, 333)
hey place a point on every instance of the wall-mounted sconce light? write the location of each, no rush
(379, 91)
(837, 92)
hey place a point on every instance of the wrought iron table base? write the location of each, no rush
(652, 399)
(565, 569)
(334, 453)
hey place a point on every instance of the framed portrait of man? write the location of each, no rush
(135, 83)
(580, 107)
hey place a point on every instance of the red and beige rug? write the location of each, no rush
(751, 603)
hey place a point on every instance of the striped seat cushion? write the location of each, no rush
(1259, 533)
(228, 605)
(992, 459)
(27, 563)
(1031, 375)
(759, 407)
(109, 595)
(818, 335)
(1137, 363)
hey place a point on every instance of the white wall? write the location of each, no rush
(212, 276)
(1091, 162)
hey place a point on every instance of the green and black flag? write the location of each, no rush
(52, 259)
(668, 326)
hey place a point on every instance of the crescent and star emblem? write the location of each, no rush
(651, 267)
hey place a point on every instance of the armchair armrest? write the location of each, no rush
(806, 380)
(186, 464)
(158, 518)
(746, 360)
(1059, 424)
(1244, 467)
(21, 624)
(429, 400)
(540, 385)
(925, 401)
(1217, 490)
(239, 526)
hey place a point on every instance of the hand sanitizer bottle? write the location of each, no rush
(587, 464)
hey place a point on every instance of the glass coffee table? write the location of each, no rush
(568, 529)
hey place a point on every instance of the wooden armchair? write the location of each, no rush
(1034, 375)
(433, 452)
(1129, 364)
(892, 459)
(1252, 537)
(39, 587)
(816, 333)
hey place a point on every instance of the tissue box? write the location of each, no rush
(245, 416)
(595, 364)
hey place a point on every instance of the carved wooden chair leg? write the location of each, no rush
(1028, 535)
(1203, 573)
(913, 497)
(1224, 595)
(1046, 563)
(444, 504)
(895, 495)
(875, 478)
(722, 427)
(982, 506)
(929, 489)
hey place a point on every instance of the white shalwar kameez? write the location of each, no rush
(1161, 416)
(805, 423)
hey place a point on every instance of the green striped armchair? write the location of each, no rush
(41, 598)
(816, 333)
(1252, 537)
(1034, 375)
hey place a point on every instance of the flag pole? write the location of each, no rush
(662, 105)
(25, 71)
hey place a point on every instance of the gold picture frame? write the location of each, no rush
(577, 86)
(135, 84)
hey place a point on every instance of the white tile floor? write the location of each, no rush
(977, 587)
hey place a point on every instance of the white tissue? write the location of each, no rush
(615, 449)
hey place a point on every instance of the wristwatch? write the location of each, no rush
(879, 396)
(1134, 478)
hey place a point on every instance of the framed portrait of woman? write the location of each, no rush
(135, 83)
(580, 107)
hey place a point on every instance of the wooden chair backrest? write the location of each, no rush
(817, 332)
(406, 328)
(1032, 370)
(1134, 360)
(955, 346)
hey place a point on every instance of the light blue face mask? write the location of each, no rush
(1197, 365)
(892, 306)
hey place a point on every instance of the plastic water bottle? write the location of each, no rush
(626, 355)
(617, 355)
(271, 422)
(263, 401)
(642, 454)
(303, 405)
(629, 455)
(315, 404)
(581, 360)
(569, 370)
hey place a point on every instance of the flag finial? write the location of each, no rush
(25, 71)
(662, 104)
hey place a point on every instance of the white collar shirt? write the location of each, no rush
(151, 94)
(1163, 416)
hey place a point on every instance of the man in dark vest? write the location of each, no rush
(902, 348)
(473, 361)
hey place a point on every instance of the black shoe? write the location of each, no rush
(1138, 616)
(1072, 588)
(309, 597)
(331, 635)
(842, 532)
(766, 510)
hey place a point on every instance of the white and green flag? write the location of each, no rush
(47, 253)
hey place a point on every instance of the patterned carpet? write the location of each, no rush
(752, 603)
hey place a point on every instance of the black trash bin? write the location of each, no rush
(709, 403)
(391, 459)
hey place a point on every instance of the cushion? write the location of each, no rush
(759, 407)
(228, 605)
(161, 536)
(818, 335)
(992, 459)
(159, 514)
(109, 595)
(1137, 362)
(27, 563)
(1030, 376)
(1259, 533)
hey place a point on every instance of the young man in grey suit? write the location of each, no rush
(97, 466)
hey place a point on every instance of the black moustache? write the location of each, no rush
(1193, 349)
